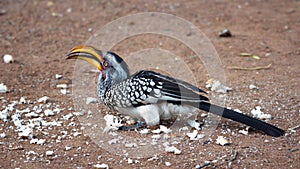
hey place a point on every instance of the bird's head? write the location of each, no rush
(112, 67)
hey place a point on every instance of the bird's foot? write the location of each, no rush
(139, 124)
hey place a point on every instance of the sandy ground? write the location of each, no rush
(38, 34)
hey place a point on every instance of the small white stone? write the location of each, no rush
(64, 91)
(2, 135)
(130, 161)
(157, 131)
(259, 114)
(172, 149)
(22, 100)
(78, 113)
(76, 134)
(49, 153)
(3, 88)
(90, 100)
(8, 58)
(49, 112)
(43, 99)
(217, 86)
(33, 141)
(67, 116)
(69, 10)
(222, 141)
(144, 131)
(194, 124)
(130, 145)
(156, 136)
(113, 141)
(167, 163)
(32, 115)
(67, 148)
(41, 141)
(105, 166)
(165, 129)
(58, 76)
(192, 135)
(185, 128)
(245, 132)
(62, 86)
(251, 86)
(26, 132)
(4, 115)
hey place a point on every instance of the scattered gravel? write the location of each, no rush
(257, 113)
(217, 86)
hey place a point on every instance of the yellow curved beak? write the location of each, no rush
(87, 53)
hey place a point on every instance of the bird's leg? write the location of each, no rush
(138, 124)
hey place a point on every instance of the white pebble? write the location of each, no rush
(168, 164)
(217, 86)
(49, 112)
(49, 153)
(157, 131)
(33, 141)
(222, 141)
(78, 113)
(165, 129)
(43, 99)
(155, 136)
(130, 145)
(22, 100)
(105, 166)
(172, 149)
(58, 76)
(41, 141)
(259, 114)
(8, 58)
(26, 132)
(2, 135)
(3, 88)
(113, 141)
(144, 131)
(194, 124)
(91, 100)
(130, 161)
(62, 86)
(4, 115)
(251, 86)
(245, 132)
(76, 134)
(67, 148)
(67, 116)
(69, 10)
(31, 115)
(64, 91)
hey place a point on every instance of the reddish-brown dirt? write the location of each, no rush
(38, 34)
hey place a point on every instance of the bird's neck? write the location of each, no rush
(105, 85)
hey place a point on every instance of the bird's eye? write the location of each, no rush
(105, 64)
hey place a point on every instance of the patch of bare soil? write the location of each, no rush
(38, 35)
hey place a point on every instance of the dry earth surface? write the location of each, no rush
(38, 35)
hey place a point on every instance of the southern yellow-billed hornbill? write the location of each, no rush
(149, 97)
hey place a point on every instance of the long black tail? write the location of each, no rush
(242, 118)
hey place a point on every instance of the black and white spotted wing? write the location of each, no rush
(148, 87)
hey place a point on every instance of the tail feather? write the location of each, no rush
(242, 118)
